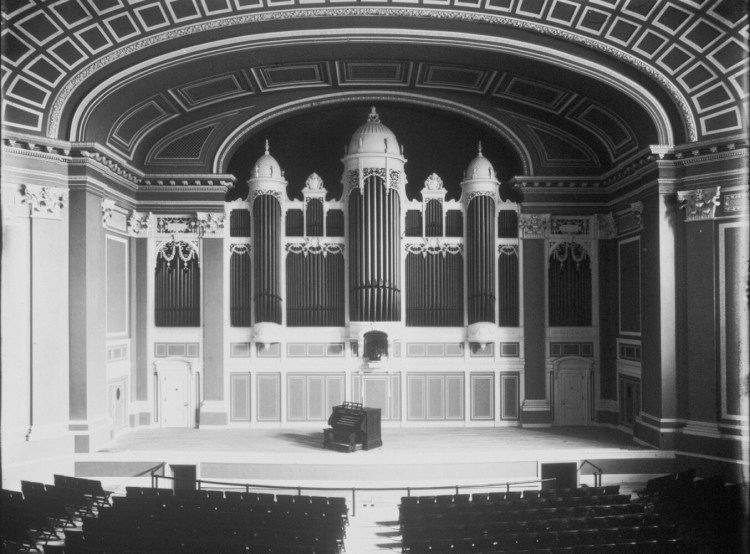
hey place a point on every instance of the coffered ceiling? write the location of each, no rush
(566, 87)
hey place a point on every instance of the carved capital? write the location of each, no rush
(108, 206)
(210, 223)
(534, 226)
(699, 204)
(606, 226)
(44, 202)
(139, 223)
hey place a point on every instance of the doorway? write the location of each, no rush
(572, 383)
(176, 394)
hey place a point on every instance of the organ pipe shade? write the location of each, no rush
(413, 223)
(434, 290)
(480, 257)
(508, 292)
(507, 224)
(177, 286)
(315, 290)
(433, 219)
(335, 223)
(374, 239)
(239, 223)
(569, 286)
(240, 305)
(314, 218)
(454, 223)
(294, 223)
(267, 263)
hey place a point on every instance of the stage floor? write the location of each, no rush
(505, 440)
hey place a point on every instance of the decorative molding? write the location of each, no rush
(176, 224)
(699, 204)
(570, 226)
(314, 246)
(534, 226)
(561, 251)
(185, 250)
(43, 201)
(433, 246)
(473, 194)
(139, 223)
(265, 192)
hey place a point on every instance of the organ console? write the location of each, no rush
(353, 425)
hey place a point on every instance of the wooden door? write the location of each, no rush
(572, 398)
(175, 399)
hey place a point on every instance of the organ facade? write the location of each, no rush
(415, 306)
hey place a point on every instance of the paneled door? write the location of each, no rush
(175, 398)
(572, 398)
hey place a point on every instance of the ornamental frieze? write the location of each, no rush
(699, 204)
(507, 250)
(570, 226)
(314, 247)
(475, 193)
(266, 192)
(434, 247)
(184, 224)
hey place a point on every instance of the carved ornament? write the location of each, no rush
(699, 204)
(605, 225)
(266, 192)
(736, 201)
(139, 223)
(184, 250)
(210, 223)
(241, 249)
(570, 226)
(175, 225)
(534, 226)
(108, 206)
(507, 250)
(561, 251)
(45, 202)
(433, 182)
(433, 246)
(475, 193)
(314, 247)
(314, 183)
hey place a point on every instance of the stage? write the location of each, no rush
(409, 456)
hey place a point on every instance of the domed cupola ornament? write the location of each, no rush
(480, 178)
(267, 177)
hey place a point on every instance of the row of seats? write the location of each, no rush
(527, 519)
(212, 521)
(528, 545)
(471, 528)
(40, 512)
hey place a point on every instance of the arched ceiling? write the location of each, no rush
(570, 87)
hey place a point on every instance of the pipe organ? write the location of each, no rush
(420, 298)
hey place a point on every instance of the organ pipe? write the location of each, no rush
(480, 246)
(508, 292)
(434, 290)
(315, 289)
(177, 287)
(569, 287)
(267, 271)
(239, 289)
(374, 270)
(314, 218)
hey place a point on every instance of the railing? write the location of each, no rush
(201, 485)
(597, 475)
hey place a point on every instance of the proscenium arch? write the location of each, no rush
(230, 144)
(497, 45)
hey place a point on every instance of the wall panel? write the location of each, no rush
(239, 394)
(269, 397)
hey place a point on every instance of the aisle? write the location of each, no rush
(375, 527)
